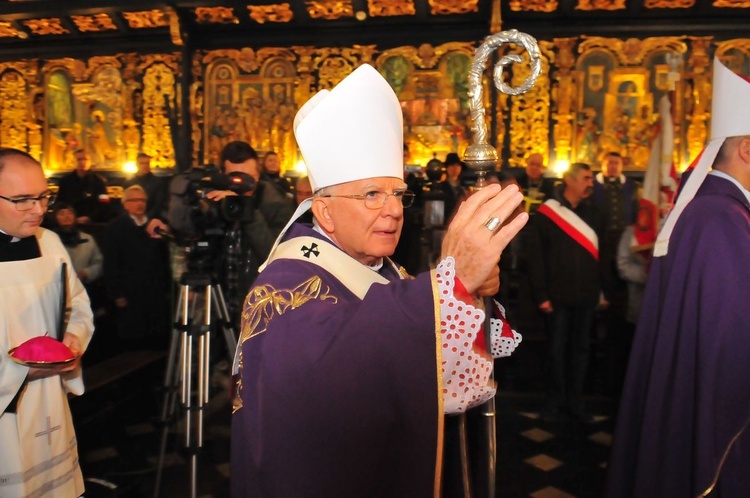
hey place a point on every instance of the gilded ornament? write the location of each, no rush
(384, 8)
(563, 94)
(172, 61)
(726, 47)
(95, 23)
(329, 9)
(100, 61)
(146, 19)
(35, 140)
(13, 110)
(75, 67)
(50, 26)
(732, 4)
(7, 30)
(175, 28)
(215, 15)
(132, 138)
(304, 58)
(270, 13)
(268, 53)
(697, 94)
(426, 55)
(533, 5)
(332, 70)
(529, 123)
(446, 7)
(130, 63)
(564, 60)
(632, 51)
(158, 87)
(333, 64)
(668, 4)
(600, 5)
(27, 68)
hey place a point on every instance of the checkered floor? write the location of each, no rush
(119, 444)
(558, 459)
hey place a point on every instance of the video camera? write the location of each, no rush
(199, 224)
(190, 212)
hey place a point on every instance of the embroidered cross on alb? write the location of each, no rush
(313, 249)
(48, 432)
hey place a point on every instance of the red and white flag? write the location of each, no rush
(660, 181)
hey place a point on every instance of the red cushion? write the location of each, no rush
(43, 349)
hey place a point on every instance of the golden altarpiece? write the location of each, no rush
(596, 94)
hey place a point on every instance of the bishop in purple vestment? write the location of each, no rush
(683, 426)
(345, 365)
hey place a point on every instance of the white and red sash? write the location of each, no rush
(572, 225)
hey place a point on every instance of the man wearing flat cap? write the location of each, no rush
(345, 364)
(683, 428)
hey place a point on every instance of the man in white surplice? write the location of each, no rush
(38, 452)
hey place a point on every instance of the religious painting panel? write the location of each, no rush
(625, 101)
(99, 107)
(255, 108)
(593, 70)
(434, 99)
(220, 112)
(279, 110)
(82, 115)
(62, 132)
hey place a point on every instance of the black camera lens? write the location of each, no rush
(232, 207)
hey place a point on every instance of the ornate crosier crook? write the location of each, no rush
(481, 156)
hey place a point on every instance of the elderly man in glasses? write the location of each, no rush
(346, 365)
(38, 453)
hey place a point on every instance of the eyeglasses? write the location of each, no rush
(27, 203)
(375, 199)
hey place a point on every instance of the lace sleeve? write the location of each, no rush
(466, 365)
(504, 340)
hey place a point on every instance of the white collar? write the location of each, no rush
(732, 179)
(14, 239)
(600, 178)
(139, 221)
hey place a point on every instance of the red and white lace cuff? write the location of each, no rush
(466, 368)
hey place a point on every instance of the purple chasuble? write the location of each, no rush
(682, 428)
(339, 396)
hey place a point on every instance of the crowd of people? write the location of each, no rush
(352, 371)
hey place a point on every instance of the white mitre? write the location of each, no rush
(352, 132)
(730, 117)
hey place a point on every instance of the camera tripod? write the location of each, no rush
(189, 339)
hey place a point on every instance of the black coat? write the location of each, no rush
(85, 194)
(136, 267)
(546, 187)
(560, 269)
